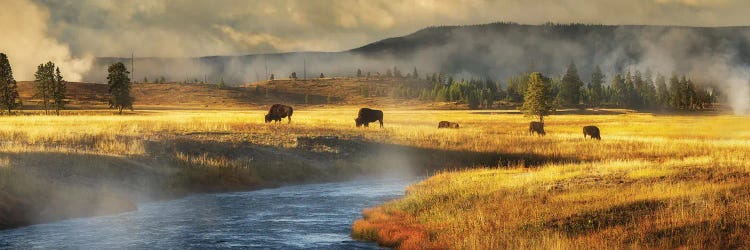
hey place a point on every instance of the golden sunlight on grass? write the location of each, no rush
(653, 181)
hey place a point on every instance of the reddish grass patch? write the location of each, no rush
(392, 228)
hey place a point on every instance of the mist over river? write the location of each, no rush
(313, 216)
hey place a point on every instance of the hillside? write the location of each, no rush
(340, 91)
(497, 50)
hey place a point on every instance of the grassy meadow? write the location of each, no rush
(653, 181)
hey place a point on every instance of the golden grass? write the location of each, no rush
(652, 182)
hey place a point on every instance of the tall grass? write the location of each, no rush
(653, 182)
(537, 192)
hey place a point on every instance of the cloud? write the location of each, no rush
(698, 3)
(177, 28)
(28, 42)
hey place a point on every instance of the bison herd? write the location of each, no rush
(365, 116)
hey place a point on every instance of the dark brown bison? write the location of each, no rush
(366, 116)
(279, 111)
(537, 127)
(591, 131)
(447, 124)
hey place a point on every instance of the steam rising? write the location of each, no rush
(711, 56)
(169, 35)
(27, 42)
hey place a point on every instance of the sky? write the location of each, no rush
(71, 32)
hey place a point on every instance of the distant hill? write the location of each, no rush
(497, 50)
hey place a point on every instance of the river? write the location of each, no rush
(314, 216)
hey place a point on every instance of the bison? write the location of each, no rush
(537, 127)
(447, 124)
(279, 111)
(591, 131)
(366, 116)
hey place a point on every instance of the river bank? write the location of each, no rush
(659, 182)
(92, 163)
(290, 217)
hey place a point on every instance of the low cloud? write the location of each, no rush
(28, 42)
(177, 28)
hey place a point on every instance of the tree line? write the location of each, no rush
(50, 87)
(628, 89)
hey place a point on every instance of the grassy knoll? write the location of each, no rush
(653, 181)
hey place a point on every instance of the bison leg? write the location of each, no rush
(290, 119)
(381, 123)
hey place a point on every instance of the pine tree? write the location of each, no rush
(119, 87)
(517, 87)
(58, 92)
(596, 92)
(9, 98)
(43, 83)
(662, 92)
(359, 73)
(648, 90)
(221, 83)
(454, 92)
(629, 94)
(536, 99)
(415, 74)
(473, 99)
(675, 92)
(489, 98)
(570, 89)
(618, 92)
(640, 91)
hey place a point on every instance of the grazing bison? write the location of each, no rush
(366, 116)
(447, 124)
(591, 131)
(537, 127)
(279, 111)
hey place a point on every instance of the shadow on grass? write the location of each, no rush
(357, 150)
(620, 215)
(709, 235)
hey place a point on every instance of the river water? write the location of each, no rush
(315, 216)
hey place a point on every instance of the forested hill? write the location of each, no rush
(496, 50)
(502, 49)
